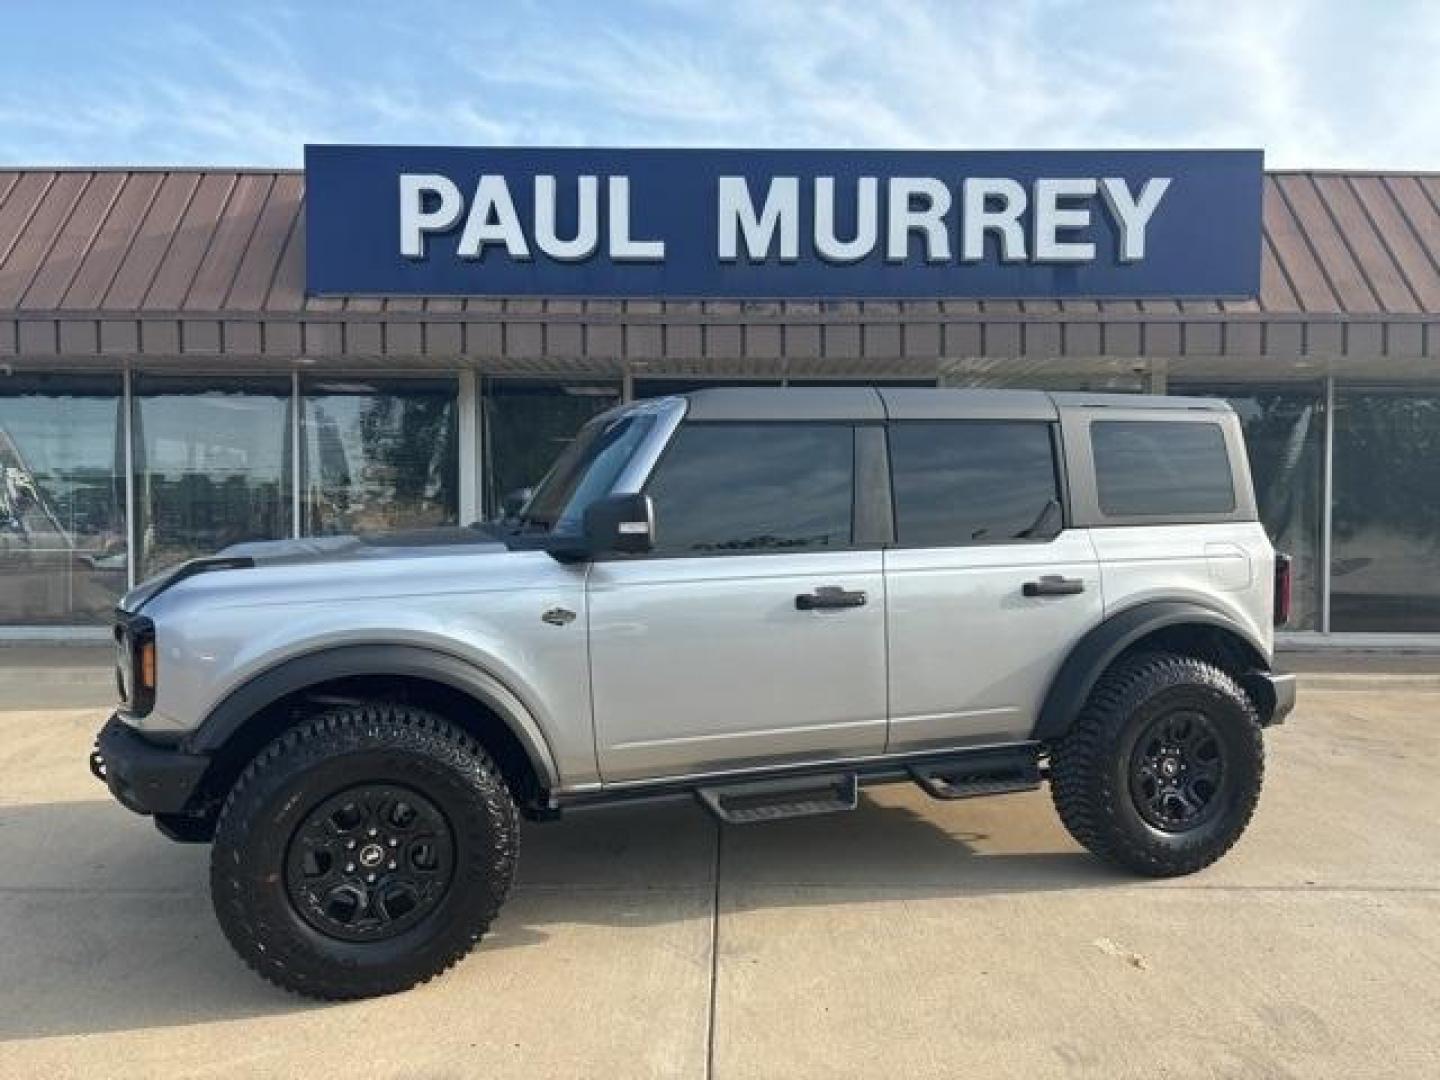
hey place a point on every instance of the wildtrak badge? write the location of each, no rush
(774, 223)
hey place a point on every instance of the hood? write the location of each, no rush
(419, 543)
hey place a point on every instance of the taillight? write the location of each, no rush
(1284, 581)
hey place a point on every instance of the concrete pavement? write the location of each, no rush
(909, 938)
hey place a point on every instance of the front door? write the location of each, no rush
(755, 632)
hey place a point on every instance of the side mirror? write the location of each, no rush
(620, 524)
(514, 502)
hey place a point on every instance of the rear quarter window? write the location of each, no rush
(1161, 468)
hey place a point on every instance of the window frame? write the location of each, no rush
(1075, 421)
(1057, 466)
(861, 459)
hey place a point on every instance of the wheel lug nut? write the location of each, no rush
(349, 845)
(370, 878)
(394, 842)
(373, 831)
(349, 867)
(392, 864)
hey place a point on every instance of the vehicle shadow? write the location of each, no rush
(105, 926)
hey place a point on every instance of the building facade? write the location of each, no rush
(168, 386)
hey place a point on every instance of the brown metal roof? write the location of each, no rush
(228, 246)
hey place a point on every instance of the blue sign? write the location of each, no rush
(453, 221)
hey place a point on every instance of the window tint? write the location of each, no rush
(585, 471)
(1161, 467)
(972, 482)
(745, 488)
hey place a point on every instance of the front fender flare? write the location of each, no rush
(1098, 649)
(344, 661)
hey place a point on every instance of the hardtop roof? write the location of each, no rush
(868, 403)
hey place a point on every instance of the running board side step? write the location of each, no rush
(789, 797)
(997, 773)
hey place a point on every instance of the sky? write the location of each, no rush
(1314, 83)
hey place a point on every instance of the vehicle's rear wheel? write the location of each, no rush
(362, 852)
(1161, 771)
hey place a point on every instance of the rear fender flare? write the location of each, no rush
(1098, 649)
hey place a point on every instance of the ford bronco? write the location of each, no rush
(760, 598)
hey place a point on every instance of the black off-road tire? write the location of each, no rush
(1090, 768)
(343, 749)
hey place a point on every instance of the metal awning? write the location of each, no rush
(181, 265)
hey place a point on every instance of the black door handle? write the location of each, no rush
(830, 596)
(1053, 585)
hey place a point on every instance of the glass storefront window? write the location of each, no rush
(62, 499)
(379, 455)
(1284, 438)
(1385, 553)
(528, 422)
(212, 466)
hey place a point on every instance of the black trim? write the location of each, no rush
(878, 770)
(346, 661)
(145, 777)
(1099, 648)
(1273, 693)
(873, 513)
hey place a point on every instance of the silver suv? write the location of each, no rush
(761, 598)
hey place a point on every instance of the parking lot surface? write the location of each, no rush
(910, 938)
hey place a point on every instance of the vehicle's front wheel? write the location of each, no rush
(1161, 771)
(362, 852)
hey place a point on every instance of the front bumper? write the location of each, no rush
(144, 776)
(1274, 693)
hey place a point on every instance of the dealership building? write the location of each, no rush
(194, 357)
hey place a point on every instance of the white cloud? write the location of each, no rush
(1314, 83)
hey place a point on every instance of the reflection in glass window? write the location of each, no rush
(972, 482)
(212, 466)
(62, 499)
(380, 455)
(528, 422)
(1158, 467)
(1385, 558)
(586, 471)
(1284, 437)
(749, 488)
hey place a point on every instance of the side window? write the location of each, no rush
(1157, 467)
(973, 482)
(747, 488)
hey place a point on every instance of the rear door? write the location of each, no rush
(986, 590)
(754, 633)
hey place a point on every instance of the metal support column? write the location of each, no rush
(1327, 496)
(127, 422)
(297, 448)
(471, 454)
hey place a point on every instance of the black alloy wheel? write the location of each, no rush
(1177, 771)
(370, 862)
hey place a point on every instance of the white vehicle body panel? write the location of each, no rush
(1228, 566)
(970, 656)
(705, 664)
(218, 630)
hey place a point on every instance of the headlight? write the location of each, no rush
(135, 667)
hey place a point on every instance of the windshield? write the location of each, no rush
(584, 472)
